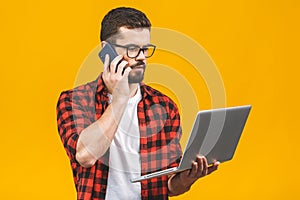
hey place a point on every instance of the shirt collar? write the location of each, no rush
(145, 90)
(101, 88)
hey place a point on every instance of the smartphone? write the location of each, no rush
(107, 49)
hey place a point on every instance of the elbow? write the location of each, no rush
(85, 162)
(85, 159)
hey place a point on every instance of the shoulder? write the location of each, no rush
(81, 95)
(79, 92)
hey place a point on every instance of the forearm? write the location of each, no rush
(177, 186)
(94, 141)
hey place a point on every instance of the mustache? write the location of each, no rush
(139, 63)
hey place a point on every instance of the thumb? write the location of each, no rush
(213, 168)
(126, 71)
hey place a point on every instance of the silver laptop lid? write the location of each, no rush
(215, 135)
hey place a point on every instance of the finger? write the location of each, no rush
(126, 71)
(213, 168)
(194, 170)
(114, 63)
(121, 67)
(200, 166)
(205, 166)
(106, 68)
(106, 64)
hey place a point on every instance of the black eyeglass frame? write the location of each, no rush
(140, 49)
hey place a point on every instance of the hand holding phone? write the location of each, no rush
(108, 75)
(107, 49)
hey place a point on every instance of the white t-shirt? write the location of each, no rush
(124, 158)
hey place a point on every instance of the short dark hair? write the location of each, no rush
(122, 17)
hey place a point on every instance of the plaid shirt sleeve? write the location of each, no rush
(71, 120)
(73, 116)
(77, 109)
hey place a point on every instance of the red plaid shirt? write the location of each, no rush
(160, 132)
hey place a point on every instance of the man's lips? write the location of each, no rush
(142, 66)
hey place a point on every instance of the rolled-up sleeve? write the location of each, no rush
(71, 120)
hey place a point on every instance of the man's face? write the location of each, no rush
(139, 37)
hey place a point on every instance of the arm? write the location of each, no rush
(94, 141)
(181, 182)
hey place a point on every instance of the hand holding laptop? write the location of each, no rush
(182, 181)
(199, 169)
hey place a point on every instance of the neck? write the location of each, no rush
(133, 88)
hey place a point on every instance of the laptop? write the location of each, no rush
(215, 135)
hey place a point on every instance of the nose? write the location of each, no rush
(141, 55)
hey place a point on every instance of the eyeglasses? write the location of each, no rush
(134, 51)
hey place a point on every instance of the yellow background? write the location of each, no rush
(255, 45)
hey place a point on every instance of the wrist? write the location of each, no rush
(177, 186)
(184, 183)
(118, 99)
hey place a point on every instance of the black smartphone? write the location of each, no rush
(107, 49)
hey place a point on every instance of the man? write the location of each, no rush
(116, 127)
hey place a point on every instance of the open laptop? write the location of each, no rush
(215, 135)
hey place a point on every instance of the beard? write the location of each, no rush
(137, 76)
